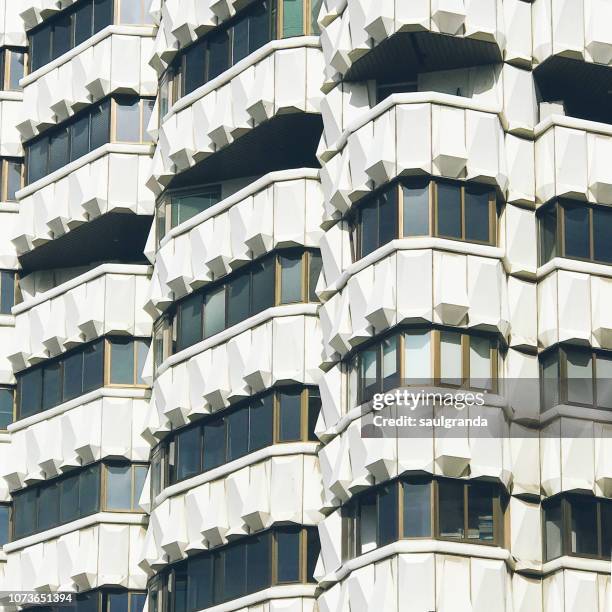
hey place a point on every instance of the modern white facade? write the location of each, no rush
(237, 222)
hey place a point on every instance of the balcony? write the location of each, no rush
(112, 61)
(247, 119)
(396, 41)
(106, 300)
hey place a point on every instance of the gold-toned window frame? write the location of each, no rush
(565, 500)
(7, 53)
(108, 349)
(16, 287)
(396, 186)
(4, 163)
(351, 517)
(397, 333)
(104, 485)
(560, 352)
(167, 449)
(142, 128)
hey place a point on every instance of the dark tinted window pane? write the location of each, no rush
(214, 444)
(187, 206)
(189, 321)
(214, 312)
(118, 487)
(195, 63)
(79, 133)
(550, 380)
(40, 47)
(416, 210)
(579, 377)
(179, 588)
(290, 414)
(83, 22)
(89, 490)
(477, 214)
(291, 278)
(548, 235)
(451, 509)
(259, 27)
(369, 227)
(258, 563)
(288, 555)
(602, 231)
(417, 509)
(58, 150)
(237, 434)
(127, 127)
(584, 527)
(552, 529)
(188, 462)
(30, 392)
(261, 414)
(293, 18)
(69, 503)
(103, 14)
(235, 569)
(6, 408)
(368, 374)
(263, 285)
(240, 40)
(312, 552)
(51, 385)
(449, 210)
(4, 525)
(24, 511)
(93, 366)
(606, 529)
(387, 514)
(48, 507)
(37, 159)
(7, 291)
(316, 263)
(218, 54)
(100, 126)
(61, 35)
(314, 408)
(117, 602)
(577, 232)
(200, 583)
(14, 173)
(122, 361)
(390, 367)
(238, 299)
(480, 512)
(387, 216)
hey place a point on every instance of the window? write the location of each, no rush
(134, 11)
(459, 360)
(243, 294)
(83, 133)
(7, 291)
(13, 62)
(423, 507)
(12, 178)
(4, 524)
(100, 486)
(578, 231)
(7, 406)
(576, 376)
(225, 46)
(275, 417)
(577, 525)
(80, 371)
(457, 211)
(251, 564)
(67, 29)
(177, 207)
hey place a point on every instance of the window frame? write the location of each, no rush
(7, 53)
(431, 184)
(13, 391)
(4, 163)
(16, 294)
(566, 500)
(560, 351)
